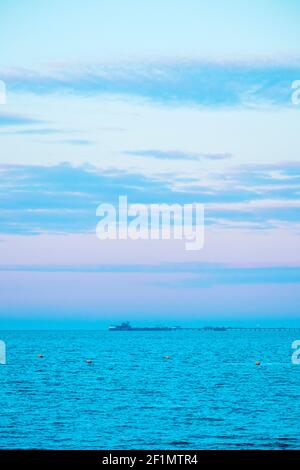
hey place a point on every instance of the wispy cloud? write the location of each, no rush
(189, 275)
(79, 142)
(226, 275)
(212, 84)
(10, 119)
(176, 155)
(63, 198)
(36, 131)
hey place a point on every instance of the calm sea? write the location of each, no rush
(208, 395)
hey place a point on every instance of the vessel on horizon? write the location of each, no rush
(125, 326)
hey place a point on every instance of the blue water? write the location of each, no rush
(209, 395)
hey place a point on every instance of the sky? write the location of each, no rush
(165, 102)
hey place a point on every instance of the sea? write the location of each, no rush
(150, 390)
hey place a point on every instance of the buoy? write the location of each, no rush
(257, 363)
(89, 361)
(167, 357)
(40, 355)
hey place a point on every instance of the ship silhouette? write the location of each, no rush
(125, 326)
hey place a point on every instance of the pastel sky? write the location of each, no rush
(165, 102)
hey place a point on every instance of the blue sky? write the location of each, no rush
(118, 29)
(165, 102)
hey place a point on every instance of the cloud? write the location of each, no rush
(63, 198)
(36, 131)
(79, 142)
(193, 275)
(176, 155)
(9, 119)
(226, 275)
(201, 83)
